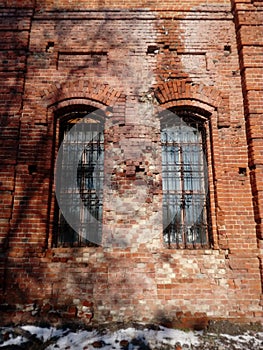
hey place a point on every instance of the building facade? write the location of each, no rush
(131, 161)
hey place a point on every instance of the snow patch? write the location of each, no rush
(129, 339)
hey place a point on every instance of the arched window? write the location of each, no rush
(184, 180)
(79, 179)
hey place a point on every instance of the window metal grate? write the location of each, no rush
(82, 146)
(184, 182)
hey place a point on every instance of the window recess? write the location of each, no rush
(79, 184)
(184, 181)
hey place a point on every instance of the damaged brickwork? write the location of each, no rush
(132, 62)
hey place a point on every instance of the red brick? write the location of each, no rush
(208, 60)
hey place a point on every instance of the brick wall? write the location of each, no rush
(249, 29)
(132, 65)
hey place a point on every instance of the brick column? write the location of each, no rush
(249, 30)
(15, 30)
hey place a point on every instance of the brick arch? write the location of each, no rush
(79, 89)
(65, 105)
(183, 92)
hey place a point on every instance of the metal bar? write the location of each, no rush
(188, 226)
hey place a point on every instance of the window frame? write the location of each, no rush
(202, 119)
(62, 117)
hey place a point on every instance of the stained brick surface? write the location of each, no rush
(132, 61)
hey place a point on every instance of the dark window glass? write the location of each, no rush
(184, 174)
(81, 159)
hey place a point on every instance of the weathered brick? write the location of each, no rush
(194, 55)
